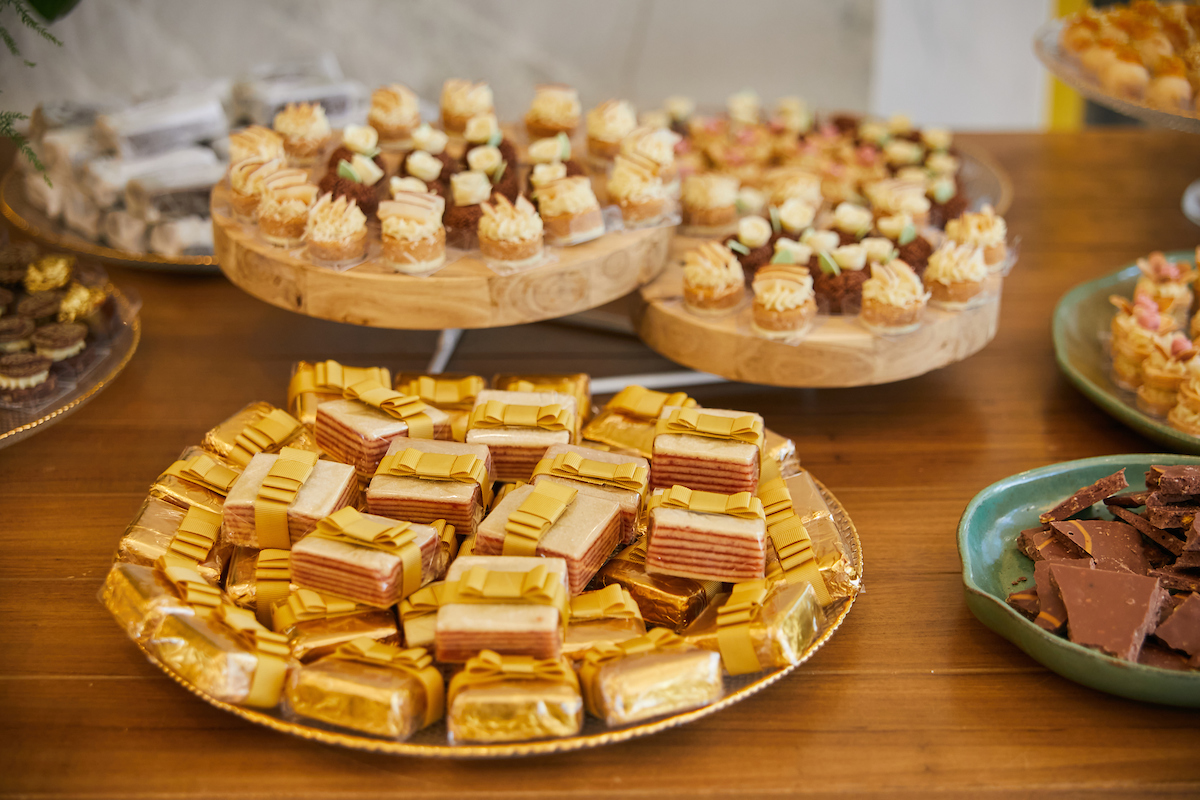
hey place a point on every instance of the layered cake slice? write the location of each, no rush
(711, 449)
(324, 488)
(612, 476)
(359, 434)
(693, 535)
(584, 535)
(518, 427)
(425, 480)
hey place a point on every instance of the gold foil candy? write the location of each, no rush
(306, 605)
(629, 420)
(513, 698)
(663, 599)
(611, 602)
(315, 382)
(317, 638)
(449, 393)
(197, 479)
(273, 576)
(418, 613)
(646, 404)
(577, 384)
(49, 272)
(790, 539)
(80, 302)
(778, 628)
(140, 598)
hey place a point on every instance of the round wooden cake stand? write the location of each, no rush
(465, 294)
(837, 352)
(37, 226)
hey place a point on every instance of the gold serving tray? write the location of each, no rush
(431, 741)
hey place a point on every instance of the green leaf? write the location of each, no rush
(907, 235)
(738, 247)
(776, 223)
(499, 173)
(944, 191)
(828, 265)
(564, 146)
(346, 170)
(495, 139)
(783, 257)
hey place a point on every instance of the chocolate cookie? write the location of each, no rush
(64, 344)
(6, 298)
(15, 333)
(15, 258)
(40, 307)
(25, 378)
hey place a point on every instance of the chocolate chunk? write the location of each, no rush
(1177, 479)
(23, 365)
(1052, 614)
(1039, 544)
(1169, 515)
(1114, 545)
(1193, 539)
(1172, 578)
(1163, 539)
(1182, 629)
(1188, 559)
(1025, 601)
(1155, 655)
(1129, 499)
(1087, 497)
(1110, 611)
(59, 335)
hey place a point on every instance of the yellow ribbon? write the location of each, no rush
(196, 535)
(272, 578)
(638, 401)
(278, 491)
(425, 601)
(790, 539)
(204, 470)
(535, 587)
(495, 414)
(734, 621)
(601, 654)
(635, 553)
(611, 602)
(190, 585)
(405, 407)
(538, 512)
(331, 377)
(268, 433)
(742, 505)
(748, 428)
(271, 649)
(350, 526)
(445, 393)
(490, 669)
(413, 463)
(415, 661)
(575, 467)
(304, 605)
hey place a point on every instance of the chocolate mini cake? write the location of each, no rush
(462, 225)
(41, 307)
(14, 334)
(65, 344)
(840, 293)
(365, 196)
(916, 254)
(757, 257)
(25, 378)
(344, 153)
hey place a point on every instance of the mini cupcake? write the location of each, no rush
(637, 191)
(790, 251)
(795, 216)
(555, 150)
(752, 243)
(25, 378)
(468, 192)
(414, 240)
(607, 124)
(852, 222)
(357, 140)
(511, 234)
(1168, 283)
(555, 109)
(357, 179)
(283, 214)
(912, 248)
(245, 183)
(64, 344)
(492, 163)
(947, 200)
(543, 175)
(336, 232)
(955, 276)
(896, 196)
(483, 130)
(462, 100)
(14, 334)
(893, 299)
(709, 204)
(395, 113)
(570, 211)
(429, 139)
(841, 273)
(305, 131)
(657, 146)
(1163, 373)
(985, 230)
(713, 281)
(255, 141)
(784, 303)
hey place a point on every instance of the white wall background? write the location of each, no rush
(966, 63)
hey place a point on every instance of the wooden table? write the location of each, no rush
(912, 696)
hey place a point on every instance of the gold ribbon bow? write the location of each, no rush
(304, 605)
(575, 467)
(535, 587)
(611, 602)
(350, 526)
(790, 539)
(635, 553)
(415, 661)
(271, 648)
(742, 505)
(747, 428)
(204, 470)
(426, 600)
(734, 621)
(190, 585)
(495, 414)
(538, 512)
(601, 654)
(331, 377)
(405, 407)
(196, 534)
(278, 491)
(413, 463)
(490, 668)
(638, 401)
(270, 432)
(445, 393)
(272, 577)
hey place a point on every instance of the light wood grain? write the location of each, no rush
(912, 698)
(465, 294)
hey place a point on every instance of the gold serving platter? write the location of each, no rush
(431, 741)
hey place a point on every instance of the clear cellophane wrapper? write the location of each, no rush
(220, 440)
(578, 385)
(140, 599)
(646, 685)
(515, 711)
(620, 432)
(787, 622)
(501, 491)
(663, 599)
(317, 638)
(842, 578)
(303, 405)
(149, 537)
(372, 699)
(583, 635)
(205, 656)
(183, 492)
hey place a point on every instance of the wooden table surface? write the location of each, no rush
(912, 696)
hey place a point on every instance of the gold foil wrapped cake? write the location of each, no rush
(608, 615)
(577, 384)
(258, 428)
(197, 478)
(513, 699)
(627, 421)
(141, 598)
(313, 383)
(161, 527)
(663, 599)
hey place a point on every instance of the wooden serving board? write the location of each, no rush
(837, 352)
(465, 294)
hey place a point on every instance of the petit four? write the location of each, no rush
(313, 383)
(424, 480)
(605, 616)
(65, 344)
(395, 113)
(706, 536)
(628, 421)
(752, 243)
(1163, 373)
(359, 429)
(759, 625)
(468, 192)
(518, 427)
(511, 234)
(709, 449)
(257, 428)
(713, 280)
(614, 476)
(304, 129)
(336, 231)
(414, 239)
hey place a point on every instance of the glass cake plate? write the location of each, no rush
(992, 566)
(1081, 334)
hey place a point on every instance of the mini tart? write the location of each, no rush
(461, 100)
(607, 124)
(783, 324)
(637, 191)
(713, 282)
(336, 231)
(555, 109)
(305, 131)
(893, 299)
(709, 204)
(570, 212)
(283, 214)
(511, 233)
(784, 303)
(25, 377)
(956, 276)
(416, 241)
(395, 113)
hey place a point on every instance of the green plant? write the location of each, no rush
(8, 119)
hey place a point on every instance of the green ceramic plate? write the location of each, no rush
(987, 537)
(1081, 326)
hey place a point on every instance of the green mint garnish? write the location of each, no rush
(346, 170)
(944, 191)
(374, 151)
(783, 257)
(499, 173)
(738, 247)
(776, 224)
(495, 139)
(907, 235)
(828, 265)
(564, 146)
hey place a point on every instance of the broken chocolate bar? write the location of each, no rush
(1110, 611)
(1113, 545)
(1087, 497)
(1181, 630)
(1163, 539)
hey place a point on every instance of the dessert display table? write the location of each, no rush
(913, 696)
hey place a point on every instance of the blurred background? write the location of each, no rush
(967, 64)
